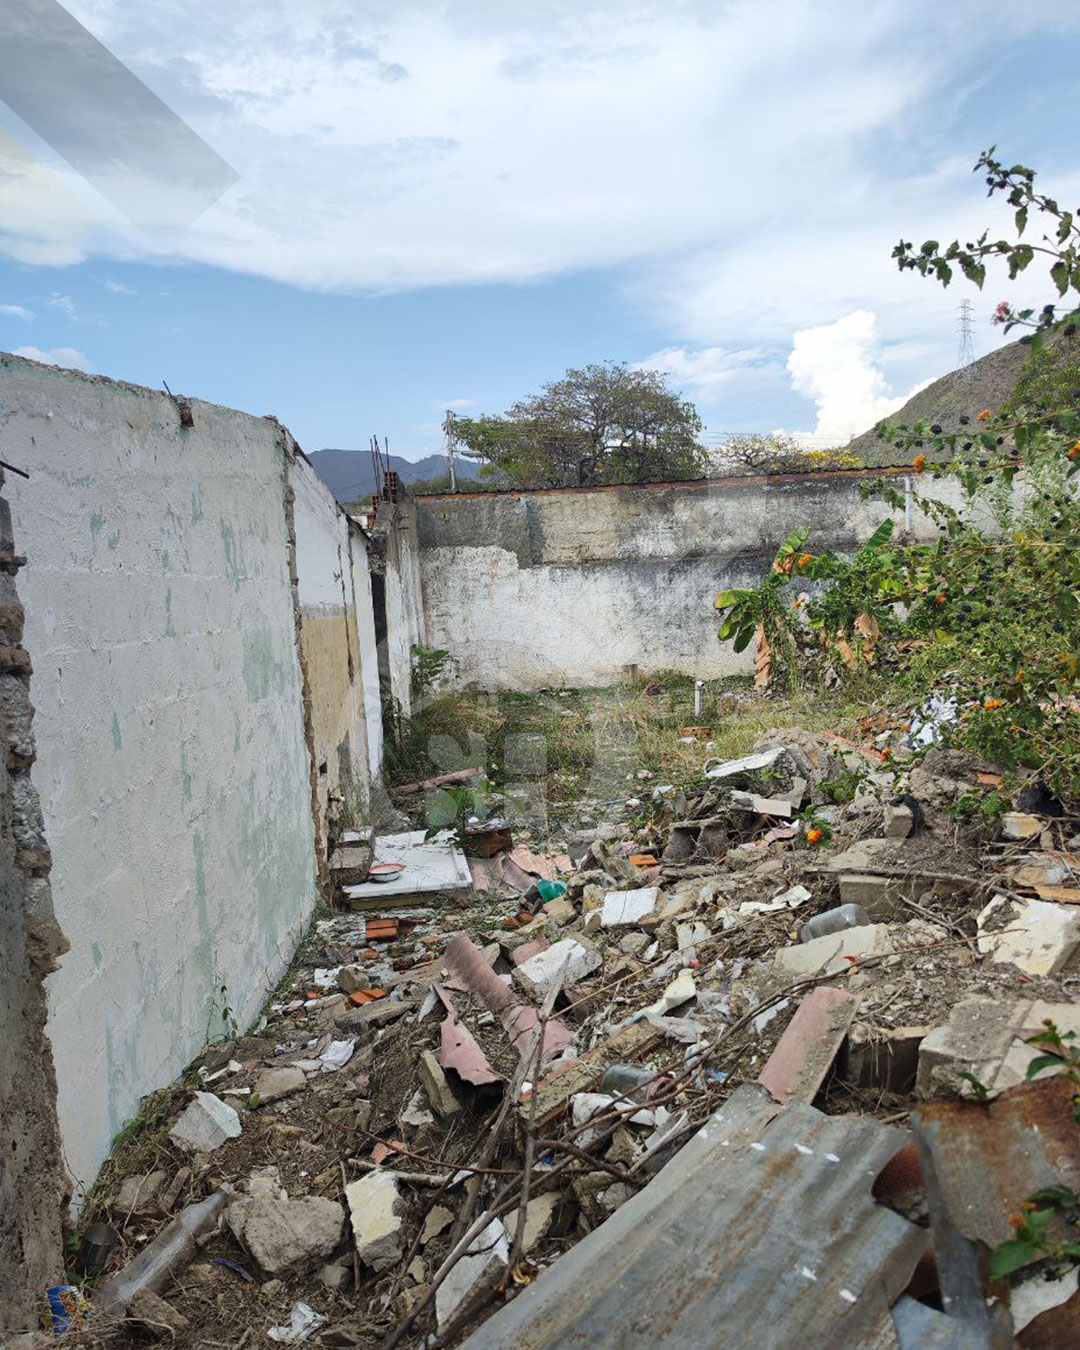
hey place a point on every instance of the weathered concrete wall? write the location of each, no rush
(567, 587)
(369, 666)
(32, 1181)
(397, 559)
(330, 645)
(172, 766)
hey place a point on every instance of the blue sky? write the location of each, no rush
(447, 205)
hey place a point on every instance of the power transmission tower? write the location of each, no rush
(965, 355)
(451, 447)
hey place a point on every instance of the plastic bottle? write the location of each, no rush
(155, 1263)
(834, 921)
(631, 1080)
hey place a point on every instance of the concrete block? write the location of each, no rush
(438, 1090)
(865, 856)
(885, 1058)
(205, 1124)
(273, 1084)
(376, 1211)
(480, 1268)
(1036, 936)
(881, 897)
(561, 910)
(827, 955)
(438, 1221)
(899, 821)
(538, 973)
(283, 1234)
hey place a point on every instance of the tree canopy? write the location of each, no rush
(601, 424)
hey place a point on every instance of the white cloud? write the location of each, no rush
(454, 404)
(16, 312)
(703, 373)
(68, 357)
(836, 366)
(395, 145)
(119, 287)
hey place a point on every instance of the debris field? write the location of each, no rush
(733, 1076)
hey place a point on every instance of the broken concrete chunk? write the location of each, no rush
(438, 1221)
(376, 1209)
(829, 954)
(1038, 937)
(1016, 825)
(438, 1090)
(628, 907)
(335, 1277)
(568, 957)
(757, 763)
(561, 910)
(205, 1124)
(761, 806)
(155, 1314)
(283, 1234)
(899, 821)
(681, 989)
(480, 1268)
(539, 1215)
(792, 898)
(138, 1194)
(351, 978)
(274, 1084)
(868, 855)
(987, 1038)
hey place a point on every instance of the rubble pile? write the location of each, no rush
(454, 1091)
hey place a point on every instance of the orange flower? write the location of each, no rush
(919, 463)
(813, 836)
(1029, 1205)
(806, 559)
(939, 599)
(992, 703)
(887, 752)
(1075, 450)
(986, 414)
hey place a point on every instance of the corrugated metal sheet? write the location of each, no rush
(760, 1233)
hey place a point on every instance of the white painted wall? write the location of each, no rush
(404, 600)
(568, 587)
(171, 761)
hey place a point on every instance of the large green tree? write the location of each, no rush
(601, 424)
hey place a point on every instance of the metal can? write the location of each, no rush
(66, 1309)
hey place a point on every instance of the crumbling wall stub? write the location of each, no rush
(331, 651)
(32, 1179)
(569, 587)
(172, 766)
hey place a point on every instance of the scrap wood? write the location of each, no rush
(466, 963)
(440, 780)
(459, 1050)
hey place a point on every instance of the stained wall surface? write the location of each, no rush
(570, 586)
(330, 643)
(171, 759)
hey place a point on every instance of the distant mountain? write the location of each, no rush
(349, 474)
(986, 383)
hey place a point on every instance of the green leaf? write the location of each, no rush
(1021, 219)
(794, 543)
(728, 598)
(1042, 1062)
(1062, 1196)
(883, 533)
(1011, 1255)
(1060, 276)
(744, 637)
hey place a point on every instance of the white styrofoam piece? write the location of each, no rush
(435, 864)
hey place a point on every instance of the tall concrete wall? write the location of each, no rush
(332, 653)
(32, 1182)
(369, 665)
(172, 766)
(569, 586)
